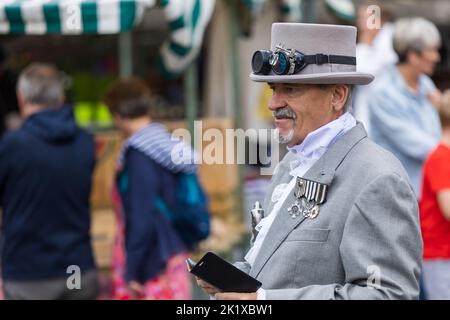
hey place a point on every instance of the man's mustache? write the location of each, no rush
(284, 113)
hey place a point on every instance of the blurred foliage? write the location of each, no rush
(86, 93)
(88, 86)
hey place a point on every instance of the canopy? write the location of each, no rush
(71, 16)
(187, 20)
(292, 10)
(344, 9)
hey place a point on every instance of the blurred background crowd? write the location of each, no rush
(130, 71)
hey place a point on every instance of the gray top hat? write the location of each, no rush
(328, 50)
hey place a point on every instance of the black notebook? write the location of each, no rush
(222, 274)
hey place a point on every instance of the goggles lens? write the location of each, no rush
(281, 61)
(261, 62)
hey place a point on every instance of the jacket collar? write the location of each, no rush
(325, 136)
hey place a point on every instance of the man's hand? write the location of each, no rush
(236, 296)
(208, 288)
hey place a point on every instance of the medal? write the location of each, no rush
(314, 212)
(294, 210)
(310, 195)
(300, 189)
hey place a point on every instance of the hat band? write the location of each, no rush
(323, 58)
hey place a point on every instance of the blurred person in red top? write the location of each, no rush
(435, 212)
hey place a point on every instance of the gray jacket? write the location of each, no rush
(364, 244)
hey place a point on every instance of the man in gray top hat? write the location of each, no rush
(341, 220)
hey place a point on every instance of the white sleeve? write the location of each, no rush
(261, 294)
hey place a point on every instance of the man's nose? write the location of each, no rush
(276, 102)
(435, 56)
(438, 57)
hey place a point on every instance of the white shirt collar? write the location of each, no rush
(319, 140)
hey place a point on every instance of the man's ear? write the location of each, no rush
(20, 101)
(413, 57)
(339, 96)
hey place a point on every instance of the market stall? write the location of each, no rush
(64, 24)
(60, 28)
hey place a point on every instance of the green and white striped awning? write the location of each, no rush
(291, 10)
(343, 9)
(187, 21)
(70, 16)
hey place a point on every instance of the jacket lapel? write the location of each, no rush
(322, 171)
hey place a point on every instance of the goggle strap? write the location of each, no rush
(323, 58)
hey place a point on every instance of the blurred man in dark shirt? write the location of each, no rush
(45, 184)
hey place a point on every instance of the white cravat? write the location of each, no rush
(308, 152)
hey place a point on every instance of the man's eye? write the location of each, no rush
(289, 90)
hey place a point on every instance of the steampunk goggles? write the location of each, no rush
(290, 61)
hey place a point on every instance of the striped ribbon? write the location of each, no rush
(311, 190)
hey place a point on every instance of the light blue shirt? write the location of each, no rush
(405, 123)
(307, 153)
